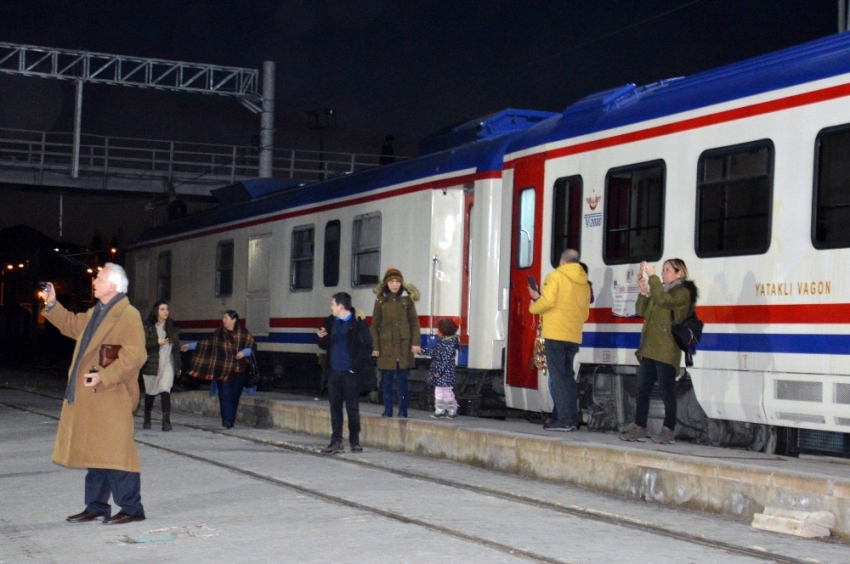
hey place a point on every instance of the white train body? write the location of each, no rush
(729, 162)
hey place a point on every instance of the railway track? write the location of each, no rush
(544, 507)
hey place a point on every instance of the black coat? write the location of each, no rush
(359, 350)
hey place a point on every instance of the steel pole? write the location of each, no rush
(78, 118)
(267, 121)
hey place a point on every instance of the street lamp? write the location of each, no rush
(322, 120)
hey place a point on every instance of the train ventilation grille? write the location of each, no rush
(802, 418)
(824, 442)
(842, 393)
(795, 390)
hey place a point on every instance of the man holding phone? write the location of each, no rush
(563, 307)
(96, 425)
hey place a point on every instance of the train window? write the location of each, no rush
(333, 235)
(301, 268)
(734, 194)
(566, 217)
(525, 241)
(634, 212)
(831, 206)
(366, 250)
(224, 268)
(163, 276)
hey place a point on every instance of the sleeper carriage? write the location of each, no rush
(742, 172)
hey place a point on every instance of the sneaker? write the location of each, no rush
(333, 448)
(634, 433)
(452, 414)
(438, 414)
(665, 437)
(356, 448)
(559, 426)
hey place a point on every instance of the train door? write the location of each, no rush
(259, 269)
(466, 296)
(526, 260)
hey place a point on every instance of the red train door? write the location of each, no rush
(526, 260)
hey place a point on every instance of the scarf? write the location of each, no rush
(100, 311)
(215, 357)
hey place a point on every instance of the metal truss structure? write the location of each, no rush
(130, 71)
(83, 66)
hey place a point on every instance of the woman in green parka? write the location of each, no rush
(395, 334)
(659, 355)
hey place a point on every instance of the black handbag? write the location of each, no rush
(252, 373)
(687, 334)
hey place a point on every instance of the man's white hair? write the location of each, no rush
(117, 276)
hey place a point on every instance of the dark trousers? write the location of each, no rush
(387, 377)
(344, 387)
(228, 396)
(648, 372)
(560, 356)
(125, 488)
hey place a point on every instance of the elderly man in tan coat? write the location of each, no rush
(96, 425)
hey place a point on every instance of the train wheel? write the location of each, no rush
(764, 439)
(717, 431)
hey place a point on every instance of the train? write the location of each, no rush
(742, 171)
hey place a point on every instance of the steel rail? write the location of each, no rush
(572, 510)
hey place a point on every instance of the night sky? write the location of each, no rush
(406, 67)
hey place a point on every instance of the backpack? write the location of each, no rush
(688, 332)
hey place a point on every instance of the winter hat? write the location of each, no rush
(447, 327)
(393, 273)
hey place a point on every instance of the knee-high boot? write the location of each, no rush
(148, 408)
(166, 411)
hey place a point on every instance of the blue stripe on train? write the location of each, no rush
(736, 342)
(725, 342)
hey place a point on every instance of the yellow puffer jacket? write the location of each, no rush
(564, 303)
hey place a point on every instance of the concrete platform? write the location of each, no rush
(737, 483)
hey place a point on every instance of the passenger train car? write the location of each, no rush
(743, 172)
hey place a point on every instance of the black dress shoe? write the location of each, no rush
(83, 517)
(122, 518)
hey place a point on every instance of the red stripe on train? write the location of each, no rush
(427, 185)
(795, 101)
(750, 314)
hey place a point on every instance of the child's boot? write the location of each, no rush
(439, 409)
(451, 409)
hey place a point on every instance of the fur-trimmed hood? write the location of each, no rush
(692, 290)
(405, 287)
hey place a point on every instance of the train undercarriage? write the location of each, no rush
(606, 401)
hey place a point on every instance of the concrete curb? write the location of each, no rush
(737, 489)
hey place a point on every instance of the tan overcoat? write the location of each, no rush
(97, 431)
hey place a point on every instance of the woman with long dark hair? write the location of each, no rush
(221, 357)
(162, 341)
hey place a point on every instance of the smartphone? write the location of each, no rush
(532, 281)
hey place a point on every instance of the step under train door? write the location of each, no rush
(521, 377)
(259, 280)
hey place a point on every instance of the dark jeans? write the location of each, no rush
(344, 387)
(125, 488)
(648, 372)
(228, 396)
(403, 390)
(560, 356)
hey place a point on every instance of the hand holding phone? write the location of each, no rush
(532, 282)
